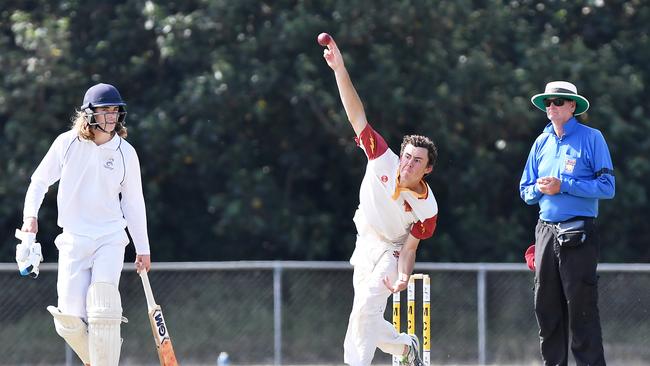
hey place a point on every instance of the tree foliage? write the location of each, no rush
(246, 152)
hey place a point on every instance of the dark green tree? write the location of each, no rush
(245, 149)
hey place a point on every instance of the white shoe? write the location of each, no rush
(412, 356)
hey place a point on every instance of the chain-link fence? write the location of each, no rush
(296, 313)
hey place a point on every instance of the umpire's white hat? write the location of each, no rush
(561, 89)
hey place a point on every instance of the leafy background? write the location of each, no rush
(245, 148)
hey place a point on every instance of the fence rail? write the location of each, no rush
(296, 313)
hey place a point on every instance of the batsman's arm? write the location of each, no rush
(133, 205)
(46, 174)
(135, 212)
(351, 101)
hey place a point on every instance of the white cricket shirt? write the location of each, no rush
(391, 212)
(100, 188)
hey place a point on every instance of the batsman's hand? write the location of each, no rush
(398, 286)
(30, 225)
(333, 56)
(142, 262)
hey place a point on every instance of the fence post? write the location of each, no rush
(277, 314)
(68, 355)
(481, 302)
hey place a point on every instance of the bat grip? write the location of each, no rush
(151, 303)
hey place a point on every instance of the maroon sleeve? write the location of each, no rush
(424, 230)
(373, 144)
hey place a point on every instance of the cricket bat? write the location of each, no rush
(158, 326)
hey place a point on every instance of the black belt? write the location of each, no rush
(584, 218)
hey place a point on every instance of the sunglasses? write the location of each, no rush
(555, 101)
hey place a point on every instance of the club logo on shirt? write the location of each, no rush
(396, 253)
(384, 178)
(407, 207)
(569, 165)
(109, 164)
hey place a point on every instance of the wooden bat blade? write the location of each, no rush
(161, 335)
(158, 326)
(166, 354)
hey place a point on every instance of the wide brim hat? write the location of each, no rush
(561, 89)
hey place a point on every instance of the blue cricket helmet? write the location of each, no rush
(103, 95)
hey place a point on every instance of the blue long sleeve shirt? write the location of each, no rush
(581, 160)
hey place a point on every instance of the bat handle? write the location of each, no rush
(151, 303)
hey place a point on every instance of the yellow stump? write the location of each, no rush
(426, 320)
(411, 307)
(397, 310)
(410, 315)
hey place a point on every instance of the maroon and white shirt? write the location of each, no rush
(391, 212)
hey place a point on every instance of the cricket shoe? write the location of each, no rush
(412, 356)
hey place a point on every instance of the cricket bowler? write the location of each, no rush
(396, 210)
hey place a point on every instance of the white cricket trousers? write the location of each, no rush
(83, 261)
(367, 328)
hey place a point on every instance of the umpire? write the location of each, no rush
(568, 170)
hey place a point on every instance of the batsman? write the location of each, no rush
(99, 196)
(396, 210)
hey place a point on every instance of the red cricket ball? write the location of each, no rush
(324, 39)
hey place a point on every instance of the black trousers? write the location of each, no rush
(566, 298)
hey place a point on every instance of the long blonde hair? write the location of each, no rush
(86, 131)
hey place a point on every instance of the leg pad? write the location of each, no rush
(73, 330)
(104, 308)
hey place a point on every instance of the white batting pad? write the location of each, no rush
(104, 308)
(73, 330)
